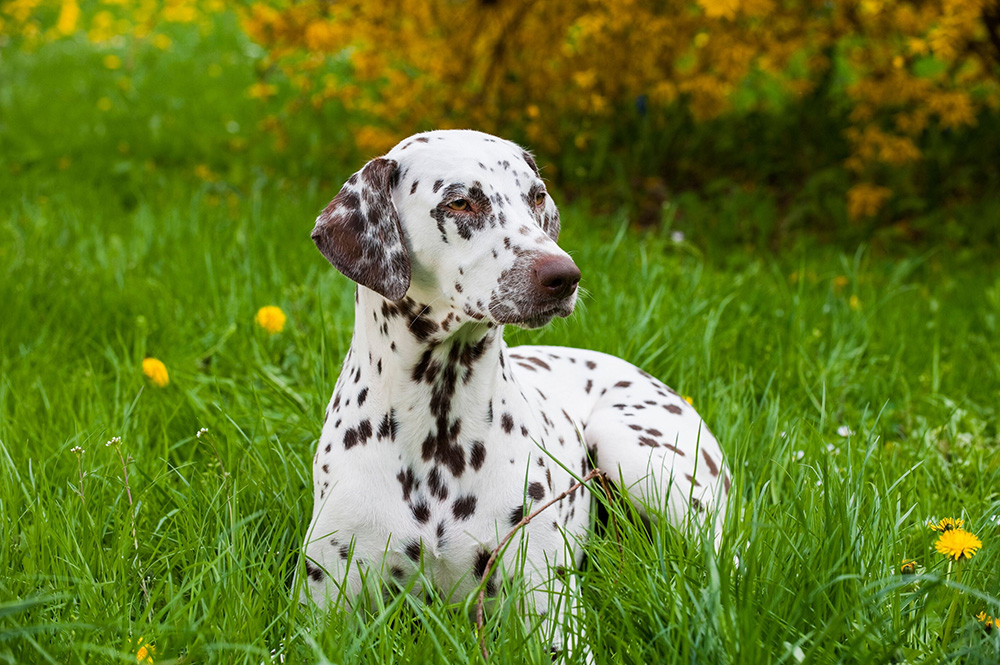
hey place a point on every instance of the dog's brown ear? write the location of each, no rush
(360, 234)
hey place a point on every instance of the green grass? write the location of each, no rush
(125, 253)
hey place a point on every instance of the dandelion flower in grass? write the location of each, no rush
(271, 319)
(988, 621)
(946, 524)
(144, 651)
(156, 371)
(908, 567)
(958, 544)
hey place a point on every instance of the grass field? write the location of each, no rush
(856, 396)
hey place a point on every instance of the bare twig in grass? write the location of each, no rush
(225, 474)
(491, 562)
(116, 443)
(78, 451)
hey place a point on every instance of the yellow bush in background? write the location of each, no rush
(555, 72)
(39, 21)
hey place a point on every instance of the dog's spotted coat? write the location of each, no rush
(439, 438)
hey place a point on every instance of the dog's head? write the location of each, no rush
(457, 219)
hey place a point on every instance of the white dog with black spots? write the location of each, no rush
(439, 438)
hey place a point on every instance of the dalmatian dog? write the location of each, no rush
(439, 438)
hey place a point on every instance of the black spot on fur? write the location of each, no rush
(405, 479)
(362, 396)
(477, 455)
(536, 491)
(413, 550)
(507, 422)
(436, 485)
(479, 569)
(464, 507)
(421, 512)
(315, 572)
(516, 515)
(541, 363)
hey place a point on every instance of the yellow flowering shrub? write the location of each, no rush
(40, 21)
(555, 74)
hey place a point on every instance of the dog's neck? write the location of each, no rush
(416, 360)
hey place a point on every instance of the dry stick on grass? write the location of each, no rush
(116, 442)
(596, 473)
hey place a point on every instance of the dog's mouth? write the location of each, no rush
(544, 317)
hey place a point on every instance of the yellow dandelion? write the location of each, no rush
(958, 544)
(156, 371)
(688, 399)
(947, 524)
(988, 621)
(271, 319)
(104, 104)
(112, 61)
(839, 282)
(68, 16)
(909, 567)
(203, 172)
(144, 651)
(854, 302)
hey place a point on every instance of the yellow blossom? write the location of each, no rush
(205, 173)
(720, 8)
(688, 399)
(271, 319)
(946, 524)
(161, 41)
(988, 621)
(854, 302)
(261, 90)
(69, 13)
(866, 199)
(908, 567)
(144, 651)
(156, 371)
(958, 544)
(112, 61)
(104, 104)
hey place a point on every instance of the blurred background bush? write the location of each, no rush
(749, 121)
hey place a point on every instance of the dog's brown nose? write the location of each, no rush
(557, 276)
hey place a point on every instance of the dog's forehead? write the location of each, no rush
(462, 156)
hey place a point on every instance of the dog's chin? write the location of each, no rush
(543, 318)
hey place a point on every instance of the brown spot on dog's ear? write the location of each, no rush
(359, 232)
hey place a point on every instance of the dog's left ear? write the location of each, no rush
(360, 234)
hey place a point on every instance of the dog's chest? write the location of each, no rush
(436, 492)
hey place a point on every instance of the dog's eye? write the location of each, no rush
(539, 198)
(459, 204)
